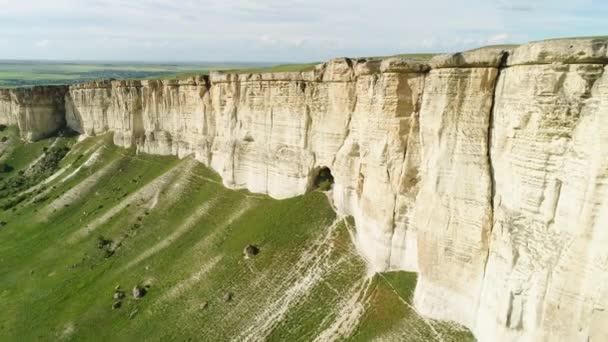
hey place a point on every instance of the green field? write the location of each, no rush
(77, 228)
(28, 73)
(276, 68)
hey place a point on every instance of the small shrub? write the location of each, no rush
(41, 199)
(102, 242)
(4, 168)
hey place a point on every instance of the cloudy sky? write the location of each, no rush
(280, 30)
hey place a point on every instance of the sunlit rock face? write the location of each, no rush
(377, 167)
(547, 273)
(453, 210)
(484, 171)
(160, 117)
(355, 117)
(37, 111)
(271, 133)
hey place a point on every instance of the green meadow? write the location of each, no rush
(29, 73)
(84, 223)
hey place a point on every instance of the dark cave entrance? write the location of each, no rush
(322, 179)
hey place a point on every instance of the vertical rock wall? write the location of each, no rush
(453, 210)
(37, 111)
(377, 167)
(547, 272)
(358, 118)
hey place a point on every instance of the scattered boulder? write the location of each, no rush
(116, 305)
(118, 295)
(228, 296)
(4, 139)
(139, 292)
(251, 251)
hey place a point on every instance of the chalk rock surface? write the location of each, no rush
(37, 111)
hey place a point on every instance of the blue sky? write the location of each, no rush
(280, 30)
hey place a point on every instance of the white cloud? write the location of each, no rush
(41, 44)
(498, 39)
(265, 39)
(285, 30)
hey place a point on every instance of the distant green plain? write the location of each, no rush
(30, 73)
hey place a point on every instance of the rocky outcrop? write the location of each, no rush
(37, 111)
(547, 271)
(484, 171)
(160, 117)
(453, 209)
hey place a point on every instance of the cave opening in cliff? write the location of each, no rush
(323, 179)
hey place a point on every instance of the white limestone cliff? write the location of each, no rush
(486, 171)
(453, 209)
(547, 271)
(37, 111)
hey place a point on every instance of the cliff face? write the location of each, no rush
(274, 132)
(160, 117)
(37, 111)
(453, 210)
(548, 263)
(486, 171)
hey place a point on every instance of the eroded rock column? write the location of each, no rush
(453, 211)
(377, 167)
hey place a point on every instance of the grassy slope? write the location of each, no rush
(276, 68)
(497, 46)
(389, 316)
(174, 227)
(569, 38)
(415, 56)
